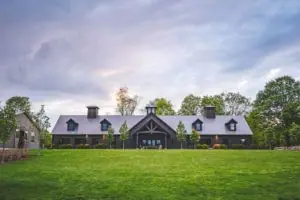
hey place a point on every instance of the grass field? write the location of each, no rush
(153, 174)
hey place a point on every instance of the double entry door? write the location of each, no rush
(151, 142)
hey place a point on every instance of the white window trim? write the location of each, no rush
(198, 124)
(232, 127)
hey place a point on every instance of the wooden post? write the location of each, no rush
(137, 140)
(166, 141)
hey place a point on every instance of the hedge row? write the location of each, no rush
(198, 146)
(202, 146)
(233, 146)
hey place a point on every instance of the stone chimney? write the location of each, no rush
(210, 112)
(92, 112)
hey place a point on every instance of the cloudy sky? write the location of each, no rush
(72, 53)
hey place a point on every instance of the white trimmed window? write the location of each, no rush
(232, 127)
(32, 136)
(198, 126)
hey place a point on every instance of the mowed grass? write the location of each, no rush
(153, 174)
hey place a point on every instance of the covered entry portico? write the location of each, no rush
(152, 131)
(151, 135)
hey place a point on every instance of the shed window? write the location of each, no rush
(32, 137)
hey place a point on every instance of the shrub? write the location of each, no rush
(151, 147)
(238, 146)
(262, 146)
(50, 146)
(223, 146)
(83, 146)
(216, 146)
(65, 146)
(202, 146)
(253, 146)
(100, 146)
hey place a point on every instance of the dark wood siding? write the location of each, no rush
(172, 143)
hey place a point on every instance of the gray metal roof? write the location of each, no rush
(214, 126)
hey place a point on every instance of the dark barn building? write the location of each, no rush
(150, 129)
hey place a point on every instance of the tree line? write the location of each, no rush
(273, 116)
(225, 103)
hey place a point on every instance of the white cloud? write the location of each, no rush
(82, 56)
(272, 74)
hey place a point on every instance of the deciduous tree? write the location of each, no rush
(45, 138)
(126, 104)
(277, 104)
(42, 121)
(19, 104)
(294, 134)
(8, 125)
(110, 136)
(124, 133)
(236, 104)
(195, 137)
(163, 106)
(270, 137)
(190, 105)
(181, 133)
(215, 100)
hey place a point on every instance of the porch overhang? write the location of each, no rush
(152, 124)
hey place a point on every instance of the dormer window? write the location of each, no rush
(197, 125)
(231, 125)
(72, 125)
(104, 127)
(105, 124)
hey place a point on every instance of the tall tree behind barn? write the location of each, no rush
(126, 105)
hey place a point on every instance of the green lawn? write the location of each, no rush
(153, 174)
